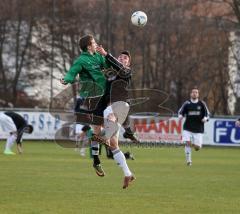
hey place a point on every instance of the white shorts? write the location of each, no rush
(7, 123)
(195, 138)
(78, 128)
(120, 109)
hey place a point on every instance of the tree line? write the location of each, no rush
(185, 43)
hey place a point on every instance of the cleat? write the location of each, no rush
(131, 157)
(189, 163)
(131, 136)
(9, 153)
(100, 139)
(99, 170)
(127, 180)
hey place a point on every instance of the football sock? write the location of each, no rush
(83, 151)
(188, 153)
(95, 152)
(10, 142)
(121, 161)
(128, 130)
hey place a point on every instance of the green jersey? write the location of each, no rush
(88, 67)
(89, 133)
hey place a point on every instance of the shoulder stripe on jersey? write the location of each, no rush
(183, 106)
(206, 108)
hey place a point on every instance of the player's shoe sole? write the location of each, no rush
(99, 170)
(131, 157)
(9, 153)
(189, 163)
(99, 139)
(131, 137)
(127, 180)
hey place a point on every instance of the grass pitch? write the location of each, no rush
(51, 179)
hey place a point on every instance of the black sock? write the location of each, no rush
(96, 160)
(128, 130)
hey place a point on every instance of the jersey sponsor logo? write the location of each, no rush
(193, 113)
(226, 132)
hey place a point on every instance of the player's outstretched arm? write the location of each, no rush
(111, 59)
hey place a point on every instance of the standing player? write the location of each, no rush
(196, 113)
(15, 125)
(89, 67)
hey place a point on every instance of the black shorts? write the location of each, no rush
(92, 113)
(116, 91)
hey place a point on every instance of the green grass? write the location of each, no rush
(50, 179)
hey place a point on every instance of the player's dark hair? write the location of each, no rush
(194, 88)
(85, 41)
(86, 128)
(125, 52)
(30, 127)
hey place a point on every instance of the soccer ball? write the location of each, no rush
(139, 18)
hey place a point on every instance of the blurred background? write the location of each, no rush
(185, 43)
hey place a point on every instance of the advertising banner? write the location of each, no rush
(218, 131)
(45, 125)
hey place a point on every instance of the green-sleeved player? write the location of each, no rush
(89, 67)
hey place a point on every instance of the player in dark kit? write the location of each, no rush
(15, 125)
(116, 96)
(196, 113)
(118, 79)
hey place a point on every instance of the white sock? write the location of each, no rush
(95, 148)
(82, 151)
(188, 152)
(10, 142)
(121, 161)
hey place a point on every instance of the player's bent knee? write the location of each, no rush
(121, 109)
(108, 111)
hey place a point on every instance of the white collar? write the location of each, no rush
(194, 101)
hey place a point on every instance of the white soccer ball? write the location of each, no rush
(139, 18)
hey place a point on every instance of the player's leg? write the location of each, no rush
(121, 109)
(129, 134)
(197, 141)
(95, 153)
(129, 155)
(78, 136)
(186, 138)
(109, 153)
(113, 115)
(9, 144)
(84, 144)
(19, 148)
(9, 127)
(120, 159)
